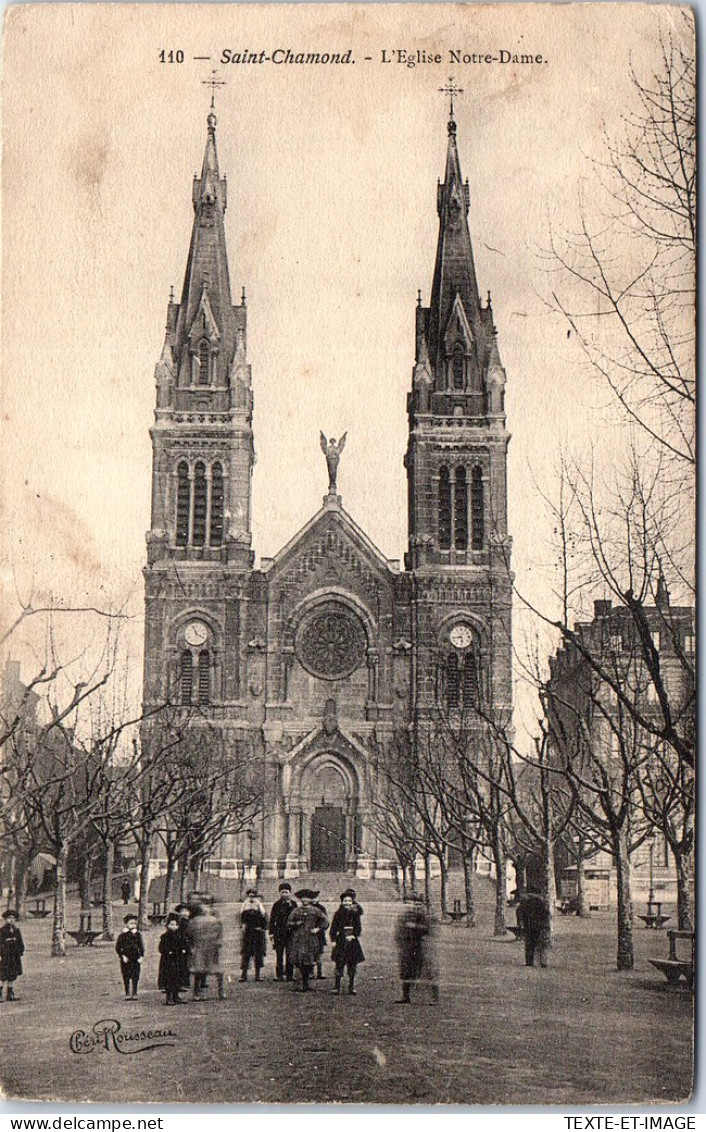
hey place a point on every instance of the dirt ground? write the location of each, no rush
(578, 1032)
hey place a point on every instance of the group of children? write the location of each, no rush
(190, 947)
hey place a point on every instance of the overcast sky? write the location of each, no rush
(331, 228)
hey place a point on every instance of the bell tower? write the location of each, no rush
(458, 546)
(199, 555)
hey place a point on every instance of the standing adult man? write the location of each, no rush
(535, 922)
(415, 949)
(279, 917)
(253, 921)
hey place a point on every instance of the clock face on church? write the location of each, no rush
(196, 633)
(461, 636)
(331, 643)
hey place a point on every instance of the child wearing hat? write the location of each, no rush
(306, 924)
(253, 942)
(279, 932)
(345, 932)
(170, 963)
(130, 948)
(12, 949)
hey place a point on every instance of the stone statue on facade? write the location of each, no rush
(332, 450)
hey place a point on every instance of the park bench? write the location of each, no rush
(674, 969)
(458, 914)
(156, 916)
(654, 919)
(40, 909)
(517, 930)
(85, 935)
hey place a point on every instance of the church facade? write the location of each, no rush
(325, 653)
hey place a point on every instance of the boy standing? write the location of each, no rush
(131, 949)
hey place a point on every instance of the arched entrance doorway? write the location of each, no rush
(329, 802)
(328, 840)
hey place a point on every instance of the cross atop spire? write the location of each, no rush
(451, 90)
(213, 82)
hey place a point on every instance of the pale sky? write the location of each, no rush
(331, 228)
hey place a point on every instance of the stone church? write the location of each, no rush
(322, 654)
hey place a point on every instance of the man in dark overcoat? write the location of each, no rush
(169, 974)
(535, 922)
(12, 949)
(253, 942)
(414, 949)
(279, 932)
(183, 911)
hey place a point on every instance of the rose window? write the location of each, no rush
(331, 643)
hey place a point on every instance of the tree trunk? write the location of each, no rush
(685, 891)
(198, 870)
(581, 894)
(550, 884)
(444, 877)
(84, 881)
(168, 881)
(108, 869)
(626, 958)
(468, 887)
(183, 876)
(427, 880)
(21, 875)
(500, 885)
(520, 876)
(144, 884)
(58, 935)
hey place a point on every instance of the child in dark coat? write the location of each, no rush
(12, 949)
(345, 932)
(131, 949)
(170, 963)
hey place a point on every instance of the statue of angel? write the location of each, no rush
(332, 451)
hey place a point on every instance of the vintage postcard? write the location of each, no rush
(347, 688)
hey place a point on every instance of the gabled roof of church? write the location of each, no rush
(331, 512)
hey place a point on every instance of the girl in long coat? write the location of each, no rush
(12, 949)
(253, 943)
(170, 961)
(345, 932)
(306, 924)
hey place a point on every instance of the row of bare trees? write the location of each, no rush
(83, 778)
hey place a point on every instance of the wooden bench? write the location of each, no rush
(156, 916)
(516, 930)
(675, 969)
(458, 914)
(85, 935)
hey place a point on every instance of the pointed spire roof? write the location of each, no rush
(454, 271)
(206, 309)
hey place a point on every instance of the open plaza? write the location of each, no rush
(577, 1033)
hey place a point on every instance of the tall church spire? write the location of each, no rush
(454, 270)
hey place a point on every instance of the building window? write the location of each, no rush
(204, 681)
(217, 498)
(458, 367)
(461, 511)
(470, 679)
(204, 373)
(689, 644)
(200, 493)
(477, 508)
(186, 678)
(182, 504)
(444, 509)
(453, 681)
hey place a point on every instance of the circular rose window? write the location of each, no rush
(331, 643)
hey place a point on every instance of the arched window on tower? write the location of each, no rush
(204, 680)
(477, 508)
(200, 489)
(186, 678)
(444, 509)
(453, 681)
(217, 499)
(458, 367)
(204, 376)
(470, 687)
(461, 510)
(182, 504)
